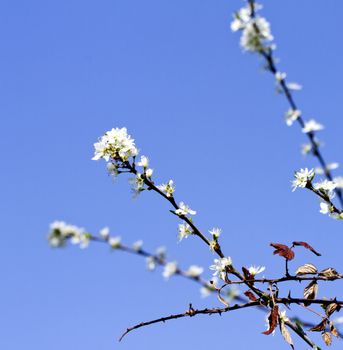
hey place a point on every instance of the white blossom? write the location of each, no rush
(149, 172)
(112, 169)
(137, 184)
(194, 271)
(168, 188)
(151, 263)
(294, 86)
(283, 316)
(306, 148)
(302, 177)
(329, 167)
(105, 232)
(241, 18)
(184, 231)
(61, 231)
(254, 270)
(144, 162)
(184, 210)
(325, 208)
(215, 232)
(169, 269)
(255, 33)
(114, 242)
(161, 251)
(279, 76)
(137, 246)
(115, 144)
(205, 292)
(338, 181)
(220, 265)
(291, 116)
(311, 126)
(82, 239)
(325, 185)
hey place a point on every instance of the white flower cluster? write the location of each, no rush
(220, 266)
(144, 162)
(152, 261)
(327, 188)
(255, 29)
(60, 232)
(115, 145)
(302, 177)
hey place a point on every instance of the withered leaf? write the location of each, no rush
(334, 331)
(329, 272)
(272, 320)
(307, 269)
(283, 250)
(250, 295)
(285, 333)
(331, 308)
(307, 246)
(320, 326)
(327, 338)
(310, 292)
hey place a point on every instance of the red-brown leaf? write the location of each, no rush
(250, 295)
(307, 246)
(273, 320)
(247, 274)
(283, 250)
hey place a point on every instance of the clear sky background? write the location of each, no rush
(206, 115)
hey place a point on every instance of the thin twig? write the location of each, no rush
(190, 313)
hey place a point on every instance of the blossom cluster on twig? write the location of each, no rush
(121, 155)
(256, 37)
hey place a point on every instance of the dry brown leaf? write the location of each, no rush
(310, 292)
(307, 269)
(327, 338)
(286, 335)
(272, 320)
(329, 272)
(331, 308)
(320, 326)
(334, 331)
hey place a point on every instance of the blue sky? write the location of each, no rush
(205, 114)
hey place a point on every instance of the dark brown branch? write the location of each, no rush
(190, 313)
